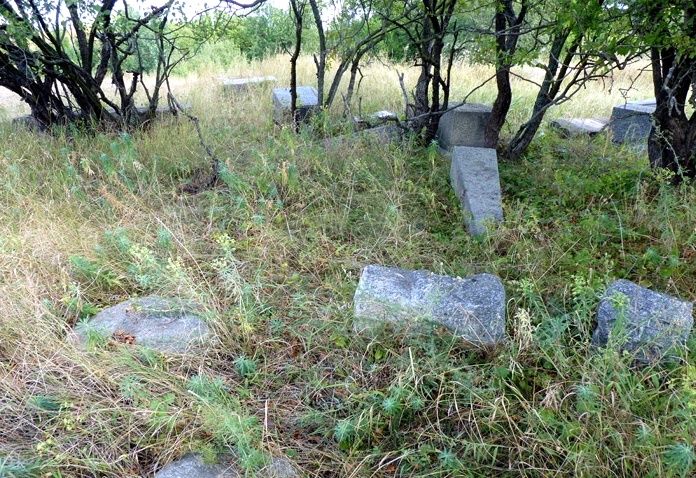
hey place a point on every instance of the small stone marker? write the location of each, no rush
(632, 122)
(573, 127)
(464, 126)
(238, 85)
(307, 103)
(192, 466)
(475, 179)
(652, 323)
(472, 308)
(167, 325)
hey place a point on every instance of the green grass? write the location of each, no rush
(273, 256)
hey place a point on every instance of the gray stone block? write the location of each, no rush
(167, 325)
(649, 324)
(632, 122)
(238, 85)
(307, 103)
(192, 466)
(472, 308)
(475, 179)
(573, 127)
(464, 126)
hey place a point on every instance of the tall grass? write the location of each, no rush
(273, 256)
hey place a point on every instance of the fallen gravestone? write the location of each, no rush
(381, 134)
(238, 85)
(375, 119)
(573, 127)
(192, 466)
(632, 122)
(474, 176)
(472, 308)
(307, 103)
(167, 325)
(464, 126)
(647, 324)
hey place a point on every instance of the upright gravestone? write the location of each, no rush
(632, 122)
(307, 103)
(464, 126)
(238, 85)
(472, 308)
(475, 179)
(642, 322)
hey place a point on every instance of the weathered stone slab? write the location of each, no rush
(307, 103)
(472, 308)
(192, 466)
(475, 179)
(167, 325)
(632, 122)
(573, 127)
(464, 126)
(238, 85)
(649, 324)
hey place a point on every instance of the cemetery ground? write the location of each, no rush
(273, 255)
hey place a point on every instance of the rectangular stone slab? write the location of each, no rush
(573, 127)
(464, 126)
(475, 179)
(632, 122)
(472, 308)
(307, 103)
(237, 85)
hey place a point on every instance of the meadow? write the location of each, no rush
(274, 253)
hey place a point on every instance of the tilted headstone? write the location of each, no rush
(307, 103)
(464, 126)
(472, 308)
(632, 122)
(237, 85)
(475, 179)
(573, 127)
(192, 466)
(167, 325)
(647, 324)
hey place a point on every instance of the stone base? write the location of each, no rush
(464, 126)
(474, 176)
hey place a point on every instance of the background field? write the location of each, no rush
(274, 255)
